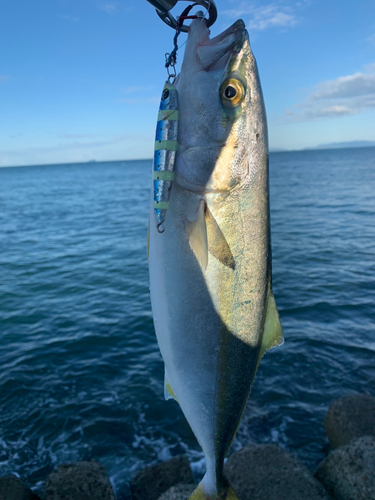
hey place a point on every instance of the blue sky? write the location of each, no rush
(82, 80)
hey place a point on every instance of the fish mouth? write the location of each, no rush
(233, 32)
(213, 53)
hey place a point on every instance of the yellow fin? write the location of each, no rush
(272, 332)
(148, 240)
(198, 237)
(217, 244)
(168, 391)
(198, 494)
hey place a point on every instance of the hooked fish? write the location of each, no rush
(210, 267)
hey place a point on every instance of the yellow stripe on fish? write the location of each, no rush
(162, 175)
(166, 145)
(168, 114)
(161, 205)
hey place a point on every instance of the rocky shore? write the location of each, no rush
(257, 472)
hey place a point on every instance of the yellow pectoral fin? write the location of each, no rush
(273, 332)
(168, 391)
(206, 236)
(197, 231)
(217, 244)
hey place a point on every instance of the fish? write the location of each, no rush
(210, 268)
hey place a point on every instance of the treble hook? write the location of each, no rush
(163, 8)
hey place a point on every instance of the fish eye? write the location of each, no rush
(232, 92)
(165, 94)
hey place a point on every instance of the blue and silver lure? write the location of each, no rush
(166, 146)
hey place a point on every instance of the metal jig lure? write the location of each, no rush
(166, 137)
(166, 147)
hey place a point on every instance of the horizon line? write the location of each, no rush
(271, 151)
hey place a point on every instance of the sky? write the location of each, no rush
(81, 80)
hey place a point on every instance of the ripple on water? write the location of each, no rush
(81, 375)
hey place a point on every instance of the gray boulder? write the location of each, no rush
(79, 481)
(349, 418)
(12, 488)
(151, 482)
(348, 473)
(178, 492)
(267, 472)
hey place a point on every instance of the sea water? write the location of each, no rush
(81, 376)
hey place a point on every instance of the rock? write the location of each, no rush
(12, 488)
(348, 473)
(349, 418)
(79, 481)
(267, 472)
(178, 492)
(151, 482)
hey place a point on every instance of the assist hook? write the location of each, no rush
(163, 8)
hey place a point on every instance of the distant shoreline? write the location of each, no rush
(272, 151)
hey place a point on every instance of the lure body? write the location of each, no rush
(166, 146)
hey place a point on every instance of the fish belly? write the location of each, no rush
(200, 317)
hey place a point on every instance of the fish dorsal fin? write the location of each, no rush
(168, 391)
(217, 244)
(272, 332)
(148, 240)
(197, 232)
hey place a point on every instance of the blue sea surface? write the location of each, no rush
(81, 376)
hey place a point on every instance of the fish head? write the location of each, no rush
(221, 109)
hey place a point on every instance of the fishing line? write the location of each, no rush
(171, 58)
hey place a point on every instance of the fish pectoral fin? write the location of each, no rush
(272, 332)
(197, 232)
(168, 391)
(217, 244)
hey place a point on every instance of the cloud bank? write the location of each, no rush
(346, 95)
(265, 16)
(110, 8)
(103, 149)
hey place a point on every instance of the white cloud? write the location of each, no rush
(76, 136)
(152, 100)
(128, 101)
(134, 88)
(108, 7)
(107, 148)
(4, 78)
(266, 16)
(358, 84)
(138, 89)
(70, 18)
(336, 110)
(77, 144)
(344, 96)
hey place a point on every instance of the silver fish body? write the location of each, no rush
(210, 270)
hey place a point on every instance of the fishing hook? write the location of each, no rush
(163, 8)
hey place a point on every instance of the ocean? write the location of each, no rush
(81, 376)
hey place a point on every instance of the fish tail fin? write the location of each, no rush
(200, 494)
